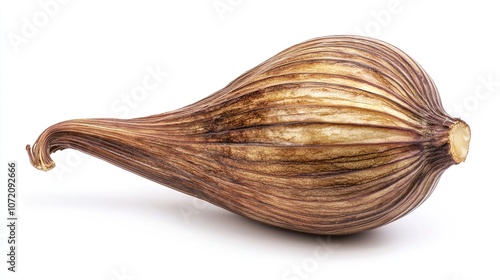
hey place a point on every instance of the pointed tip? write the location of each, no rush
(36, 159)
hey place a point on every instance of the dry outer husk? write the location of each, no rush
(335, 135)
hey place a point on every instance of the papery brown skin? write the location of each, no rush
(335, 135)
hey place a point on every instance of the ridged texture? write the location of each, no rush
(335, 135)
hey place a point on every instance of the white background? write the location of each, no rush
(91, 220)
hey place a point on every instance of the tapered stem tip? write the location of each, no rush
(37, 160)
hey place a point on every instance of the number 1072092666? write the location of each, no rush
(11, 185)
